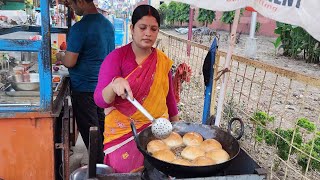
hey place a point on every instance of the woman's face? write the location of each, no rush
(145, 32)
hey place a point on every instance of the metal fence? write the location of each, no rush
(192, 93)
(280, 108)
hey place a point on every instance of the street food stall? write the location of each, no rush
(34, 105)
(35, 120)
(248, 168)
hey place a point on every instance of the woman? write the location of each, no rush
(144, 73)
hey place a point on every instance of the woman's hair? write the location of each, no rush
(144, 10)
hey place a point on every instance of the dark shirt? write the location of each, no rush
(93, 38)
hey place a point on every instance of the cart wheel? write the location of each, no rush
(239, 133)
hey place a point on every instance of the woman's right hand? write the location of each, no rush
(120, 86)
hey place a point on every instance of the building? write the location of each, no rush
(267, 25)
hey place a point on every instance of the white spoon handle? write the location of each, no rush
(140, 108)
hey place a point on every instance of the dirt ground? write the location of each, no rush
(289, 109)
(265, 53)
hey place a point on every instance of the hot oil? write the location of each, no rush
(177, 150)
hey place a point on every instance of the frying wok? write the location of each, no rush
(228, 142)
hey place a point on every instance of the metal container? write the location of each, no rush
(228, 142)
(18, 78)
(81, 173)
(32, 83)
(25, 86)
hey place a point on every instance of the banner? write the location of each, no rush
(303, 13)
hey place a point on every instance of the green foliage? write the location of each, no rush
(163, 11)
(270, 138)
(315, 153)
(266, 135)
(296, 47)
(177, 11)
(28, 5)
(172, 12)
(295, 40)
(228, 16)
(282, 139)
(277, 44)
(283, 30)
(262, 117)
(206, 16)
(306, 124)
(283, 144)
(311, 50)
(183, 12)
(259, 133)
(258, 25)
(316, 145)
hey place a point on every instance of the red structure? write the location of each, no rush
(267, 26)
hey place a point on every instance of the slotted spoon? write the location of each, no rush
(161, 127)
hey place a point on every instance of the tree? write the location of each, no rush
(228, 16)
(206, 16)
(28, 5)
(172, 12)
(183, 12)
(163, 11)
(2, 2)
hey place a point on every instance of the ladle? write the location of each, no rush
(161, 127)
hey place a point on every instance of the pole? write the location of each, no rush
(208, 89)
(251, 44)
(149, 2)
(227, 66)
(191, 14)
(253, 24)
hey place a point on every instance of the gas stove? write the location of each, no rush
(242, 167)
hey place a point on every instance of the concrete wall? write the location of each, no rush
(266, 29)
(267, 25)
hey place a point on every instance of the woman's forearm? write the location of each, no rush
(108, 94)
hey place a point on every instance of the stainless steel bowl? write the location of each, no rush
(32, 83)
(25, 86)
(81, 173)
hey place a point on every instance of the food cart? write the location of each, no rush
(34, 111)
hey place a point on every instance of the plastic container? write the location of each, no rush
(119, 38)
(18, 70)
(118, 24)
(54, 51)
